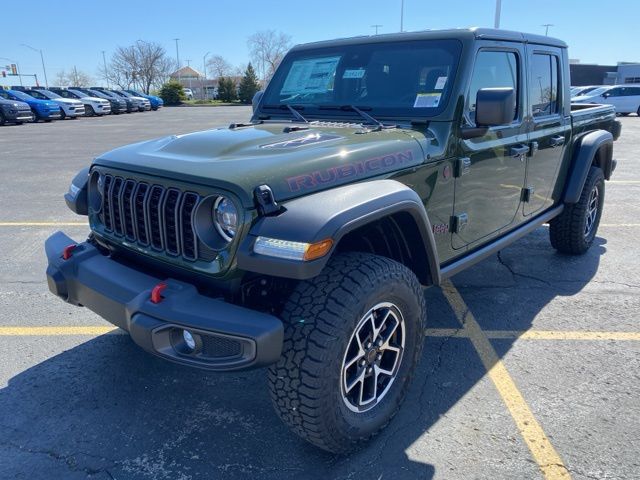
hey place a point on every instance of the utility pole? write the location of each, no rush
(546, 28)
(204, 72)
(401, 15)
(376, 26)
(46, 82)
(104, 62)
(496, 20)
(177, 58)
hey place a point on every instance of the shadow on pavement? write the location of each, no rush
(105, 409)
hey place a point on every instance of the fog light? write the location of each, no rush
(189, 341)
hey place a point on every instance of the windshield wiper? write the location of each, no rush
(291, 108)
(379, 125)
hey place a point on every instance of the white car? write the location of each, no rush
(143, 103)
(188, 93)
(92, 105)
(626, 98)
(584, 90)
(70, 108)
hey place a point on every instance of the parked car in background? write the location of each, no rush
(132, 105)
(13, 111)
(118, 105)
(156, 102)
(143, 103)
(625, 98)
(584, 90)
(92, 105)
(70, 108)
(188, 93)
(46, 110)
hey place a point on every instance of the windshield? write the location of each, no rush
(21, 96)
(48, 94)
(411, 78)
(597, 91)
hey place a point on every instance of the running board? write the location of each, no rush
(482, 253)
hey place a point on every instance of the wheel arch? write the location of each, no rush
(594, 148)
(385, 216)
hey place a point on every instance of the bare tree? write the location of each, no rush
(267, 48)
(218, 66)
(75, 77)
(141, 65)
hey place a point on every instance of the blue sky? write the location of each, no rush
(72, 35)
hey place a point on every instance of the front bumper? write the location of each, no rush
(18, 115)
(228, 337)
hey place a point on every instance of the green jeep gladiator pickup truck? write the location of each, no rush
(302, 240)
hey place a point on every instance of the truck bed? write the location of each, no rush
(585, 117)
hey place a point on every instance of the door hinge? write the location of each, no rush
(527, 194)
(462, 167)
(459, 222)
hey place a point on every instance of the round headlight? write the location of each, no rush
(225, 218)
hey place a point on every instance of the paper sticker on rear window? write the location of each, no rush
(427, 100)
(353, 73)
(314, 75)
(440, 83)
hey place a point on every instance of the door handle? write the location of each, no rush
(557, 141)
(518, 150)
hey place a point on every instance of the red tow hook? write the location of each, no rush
(68, 250)
(156, 293)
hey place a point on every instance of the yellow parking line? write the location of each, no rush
(48, 331)
(543, 452)
(42, 224)
(536, 334)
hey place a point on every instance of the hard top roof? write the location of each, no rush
(460, 33)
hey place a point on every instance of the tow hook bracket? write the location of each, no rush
(156, 293)
(68, 251)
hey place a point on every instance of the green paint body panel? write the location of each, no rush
(423, 155)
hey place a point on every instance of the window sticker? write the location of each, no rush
(353, 73)
(314, 75)
(440, 83)
(427, 100)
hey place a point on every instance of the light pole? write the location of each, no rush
(46, 82)
(546, 28)
(104, 62)
(496, 20)
(17, 68)
(401, 15)
(204, 72)
(376, 26)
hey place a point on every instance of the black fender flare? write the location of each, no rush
(77, 198)
(584, 152)
(333, 214)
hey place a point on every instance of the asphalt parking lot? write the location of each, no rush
(531, 367)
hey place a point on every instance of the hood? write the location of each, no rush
(292, 164)
(95, 99)
(68, 101)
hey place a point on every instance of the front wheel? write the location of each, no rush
(574, 230)
(353, 338)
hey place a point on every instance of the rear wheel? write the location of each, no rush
(353, 338)
(574, 230)
(2, 119)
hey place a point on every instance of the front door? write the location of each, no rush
(550, 126)
(491, 168)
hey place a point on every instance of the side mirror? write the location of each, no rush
(495, 106)
(256, 99)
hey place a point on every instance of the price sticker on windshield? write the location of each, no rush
(427, 100)
(353, 73)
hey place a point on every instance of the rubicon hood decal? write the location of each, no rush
(308, 139)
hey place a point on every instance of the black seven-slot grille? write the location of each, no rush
(151, 215)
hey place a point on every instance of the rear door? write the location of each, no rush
(550, 126)
(491, 168)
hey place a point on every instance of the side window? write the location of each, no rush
(492, 70)
(614, 92)
(38, 95)
(543, 86)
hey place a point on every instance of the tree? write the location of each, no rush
(249, 85)
(172, 93)
(75, 77)
(267, 48)
(218, 66)
(141, 65)
(227, 91)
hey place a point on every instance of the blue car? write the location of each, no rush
(42, 109)
(156, 102)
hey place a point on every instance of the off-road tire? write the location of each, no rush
(567, 231)
(319, 318)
